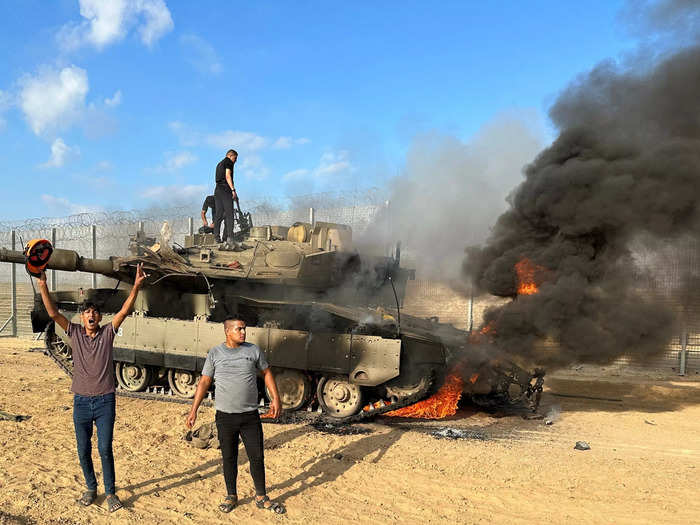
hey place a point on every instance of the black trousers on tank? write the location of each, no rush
(248, 426)
(223, 201)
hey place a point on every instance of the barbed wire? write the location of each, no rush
(267, 206)
(112, 229)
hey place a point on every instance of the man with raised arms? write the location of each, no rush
(93, 384)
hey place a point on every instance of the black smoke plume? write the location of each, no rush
(625, 166)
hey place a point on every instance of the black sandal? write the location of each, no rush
(274, 506)
(88, 498)
(229, 503)
(113, 503)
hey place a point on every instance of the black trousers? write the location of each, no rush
(248, 426)
(223, 199)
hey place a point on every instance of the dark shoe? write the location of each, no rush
(272, 506)
(113, 503)
(229, 503)
(88, 498)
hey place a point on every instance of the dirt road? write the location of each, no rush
(643, 466)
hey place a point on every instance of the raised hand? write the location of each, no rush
(140, 275)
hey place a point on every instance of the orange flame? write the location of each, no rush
(441, 404)
(527, 271)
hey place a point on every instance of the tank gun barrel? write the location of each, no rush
(65, 260)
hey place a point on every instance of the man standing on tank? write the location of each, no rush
(93, 384)
(233, 365)
(224, 195)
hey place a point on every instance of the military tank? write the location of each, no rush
(328, 319)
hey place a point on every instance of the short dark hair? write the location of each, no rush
(87, 305)
(233, 319)
(236, 154)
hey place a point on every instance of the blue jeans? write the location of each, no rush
(101, 410)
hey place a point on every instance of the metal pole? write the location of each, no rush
(470, 321)
(312, 217)
(684, 353)
(53, 272)
(93, 229)
(190, 225)
(13, 285)
(140, 226)
(388, 241)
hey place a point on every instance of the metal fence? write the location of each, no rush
(669, 272)
(107, 234)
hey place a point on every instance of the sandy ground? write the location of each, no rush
(643, 466)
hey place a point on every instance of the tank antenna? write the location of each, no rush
(398, 309)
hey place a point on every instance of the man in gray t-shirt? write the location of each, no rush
(233, 366)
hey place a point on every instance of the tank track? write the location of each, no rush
(382, 406)
(152, 393)
(162, 393)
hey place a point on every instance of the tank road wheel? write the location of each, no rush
(294, 388)
(58, 347)
(396, 391)
(132, 377)
(183, 382)
(338, 397)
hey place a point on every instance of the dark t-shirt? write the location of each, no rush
(221, 172)
(210, 203)
(93, 368)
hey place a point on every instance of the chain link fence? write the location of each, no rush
(74, 232)
(669, 271)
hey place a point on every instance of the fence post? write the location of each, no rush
(470, 319)
(684, 353)
(388, 240)
(13, 279)
(312, 217)
(190, 225)
(53, 272)
(93, 229)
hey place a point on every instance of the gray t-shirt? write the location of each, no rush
(235, 376)
(93, 368)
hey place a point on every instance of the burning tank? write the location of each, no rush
(328, 319)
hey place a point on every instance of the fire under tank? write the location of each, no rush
(328, 319)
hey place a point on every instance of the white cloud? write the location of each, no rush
(288, 142)
(295, 174)
(107, 22)
(200, 54)
(244, 142)
(60, 153)
(53, 99)
(5, 103)
(158, 20)
(175, 160)
(104, 165)
(239, 140)
(115, 100)
(62, 206)
(174, 193)
(252, 167)
(332, 163)
(181, 159)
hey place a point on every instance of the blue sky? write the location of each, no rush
(130, 103)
